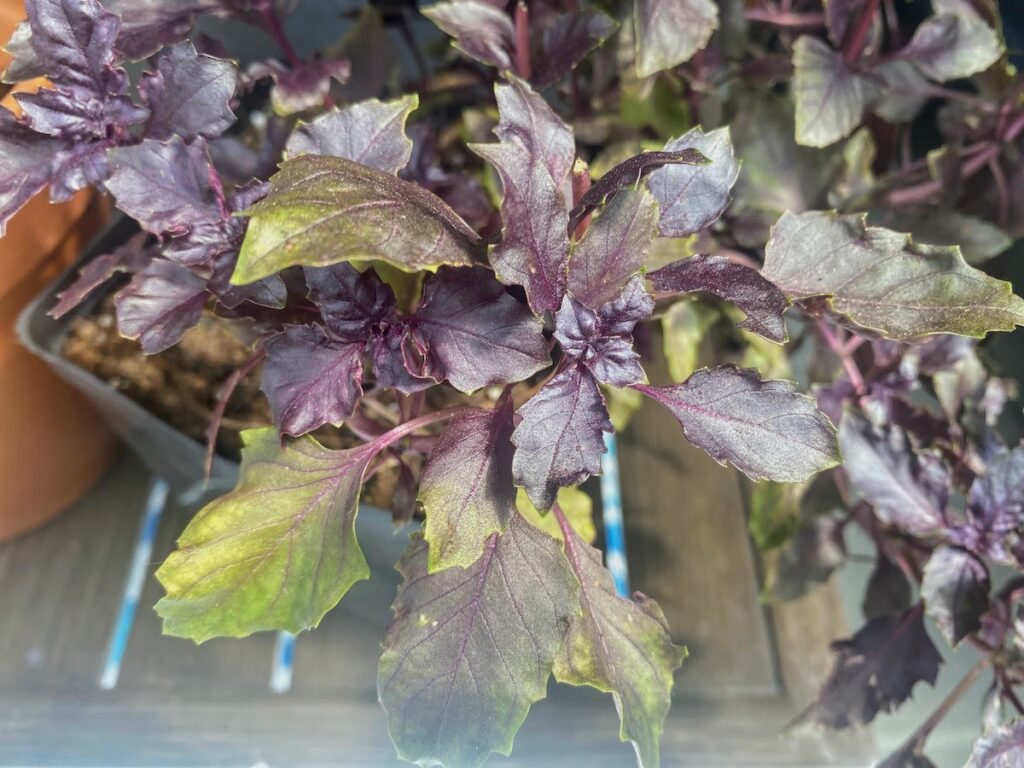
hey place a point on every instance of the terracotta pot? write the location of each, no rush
(53, 444)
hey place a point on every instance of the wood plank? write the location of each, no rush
(62, 586)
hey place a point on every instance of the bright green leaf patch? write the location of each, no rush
(620, 646)
(471, 649)
(277, 552)
(884, 282)
(576, 505)
(323, 210)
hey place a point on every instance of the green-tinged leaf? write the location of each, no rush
(277, 552)
(466, 490)
(622, 405)
(904, 91)
(470, 650)
(322, 210)
(620, 646)
(882, 281)
(953, 45)
(576, 505)
(774, 513)
(683, 327)
(853, 188)
(669, 32)
(830, 97)
(978, 239)
(776, 173)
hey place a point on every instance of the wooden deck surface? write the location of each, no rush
(177, 704)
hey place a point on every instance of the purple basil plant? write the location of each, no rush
(469, 306)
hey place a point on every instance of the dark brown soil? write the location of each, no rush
(182, 384)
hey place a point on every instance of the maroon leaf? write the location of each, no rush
(603, 340)
(25, 165)
(1003, 747)
(165, 187)
(133, 256)
(352, 303)
(692, 197)
(480, 30)
(905, 489)
(370, 132)
(159, 305)
(474, 334)
(955, 591)
(560, 439)
(566, 41)
(533, 159)
(311, 380)
(614, 248)
(763, 303)
(189, 95)
(466, 490)
(876, 670)
(766, 429)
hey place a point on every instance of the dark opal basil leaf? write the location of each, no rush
(876, 670)
(307, 85)
(277, 552)
(627, 174)
(25, 165)
(268, 292)
(614, 248)
(760, 300)
(955, 591)
(474, 334)
(995, 504)
(370, 132)
(159, 305)
(149, 25)
(979, 240)
(164, 186)
(189, 95)
(882, 281)
(906, 489)
(830, 97)
(533, 159)
(1001, 747)
(839, 15)
(324, 210)
(389, 366)
(566, 41)
(766, 429)
(351, 302)
(74, 39)
(950, 45)
(888, 591)
(669, 32)
(471, 649)
(480, 30)
(77, 166)
(620, 646)
(692, 197)
(311, 380)
(466, 490)
(133, 256)
(603, 340)
(560, 439)
(25, 64)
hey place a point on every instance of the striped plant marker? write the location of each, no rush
(611, 504)
(284, 659)
(141, 558)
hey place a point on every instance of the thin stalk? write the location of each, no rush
(271, 22)
(406, 429)
(858, 36)
(917, 739)
(522, 24)
(786, 19)
(838, 346)
(217, 417)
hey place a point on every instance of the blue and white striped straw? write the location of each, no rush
(284, 660)
(611, 504)
(141, 558)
